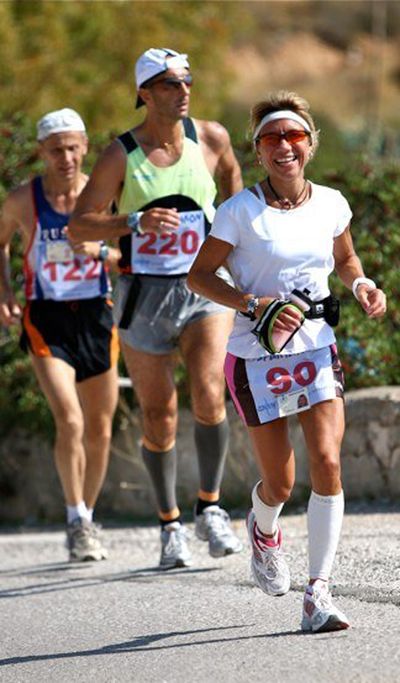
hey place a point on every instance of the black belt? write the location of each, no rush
(328, 308)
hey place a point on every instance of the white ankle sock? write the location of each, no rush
(89, 514)
(76, 511)
(266, 516)
(324, 521)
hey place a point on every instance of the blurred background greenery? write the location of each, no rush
(341, 55)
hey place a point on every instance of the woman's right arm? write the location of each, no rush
(203, 279)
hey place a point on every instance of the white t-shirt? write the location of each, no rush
(276, 251)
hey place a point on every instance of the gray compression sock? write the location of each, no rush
(161, 467)
(212, 446)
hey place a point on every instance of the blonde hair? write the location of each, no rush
(281, 100)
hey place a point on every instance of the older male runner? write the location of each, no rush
(67, 321)
(160, 175)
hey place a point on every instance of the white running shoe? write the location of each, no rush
(268, 565)
(319, 613)
(84, 542)
(214, 525)
(174, 550)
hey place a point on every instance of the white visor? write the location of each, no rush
(276, 116)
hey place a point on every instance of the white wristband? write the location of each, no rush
(362, 281)
(133, 222)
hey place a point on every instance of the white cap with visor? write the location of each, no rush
(155, 61)
(60, 121)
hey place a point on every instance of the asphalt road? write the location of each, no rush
(123, 620)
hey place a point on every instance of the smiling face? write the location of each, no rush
(169, 93)
(281, 152)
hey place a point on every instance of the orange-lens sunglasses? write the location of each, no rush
(291, 136)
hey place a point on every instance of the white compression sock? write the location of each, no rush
(266, 516)
(324, 521)
(76, 511)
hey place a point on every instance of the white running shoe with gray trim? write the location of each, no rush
(84, 542)
(214, 525)
(174, 549)
(268, 565)
(319, 613)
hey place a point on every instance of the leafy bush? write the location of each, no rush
(370, 348)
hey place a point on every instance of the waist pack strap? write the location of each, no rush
(130, 303)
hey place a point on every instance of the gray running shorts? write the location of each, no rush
(163, 309)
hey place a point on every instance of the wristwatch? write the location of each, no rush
(103, 253)
(133, 222)
(362, 281)
(251, 306)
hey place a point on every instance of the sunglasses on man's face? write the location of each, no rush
(274, 139)
(175, 82)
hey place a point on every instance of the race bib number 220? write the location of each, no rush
(170, 253)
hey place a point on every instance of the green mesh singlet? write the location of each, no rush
(189, 177)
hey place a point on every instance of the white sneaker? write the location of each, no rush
(84, 542)
(319, 613)
(214, 525)
(268, 565)
(174, 550)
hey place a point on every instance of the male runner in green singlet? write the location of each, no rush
(160, 176)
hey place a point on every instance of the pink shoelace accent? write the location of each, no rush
(263, 542)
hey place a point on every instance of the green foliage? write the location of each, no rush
(22, 404)
(369, 348)
(81, 54)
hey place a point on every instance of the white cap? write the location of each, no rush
(60, 121)
(155, 61)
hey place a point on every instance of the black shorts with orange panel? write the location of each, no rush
(81, 332)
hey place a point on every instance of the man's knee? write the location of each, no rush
(159, 426)
(208, 402)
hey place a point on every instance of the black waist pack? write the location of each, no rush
(328, 308)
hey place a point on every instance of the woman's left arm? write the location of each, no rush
(348, 267)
